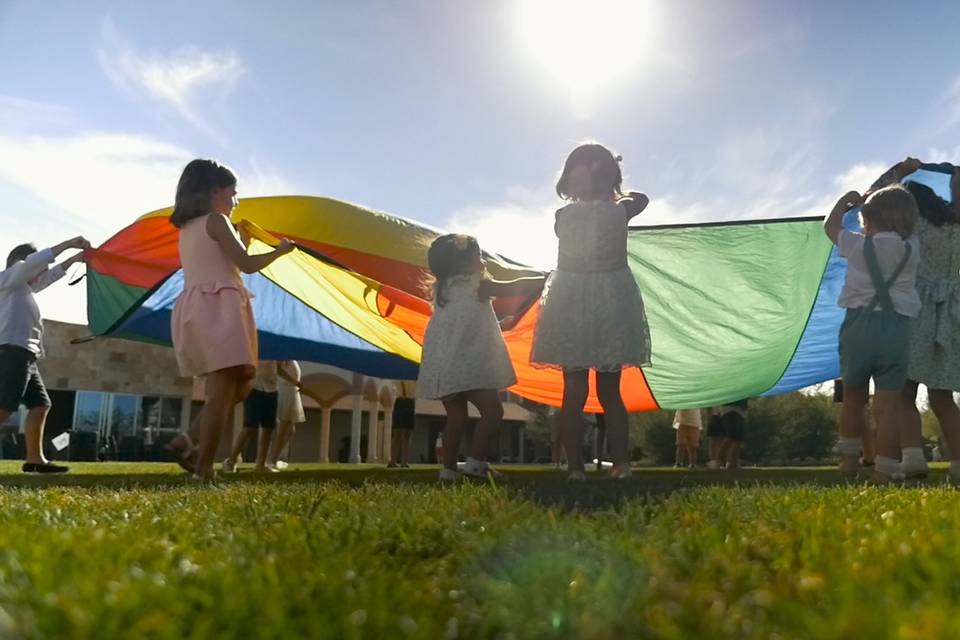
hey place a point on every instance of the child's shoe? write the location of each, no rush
(713, 464)
(229, 466)
(576, 476)
(621, 471)
(449, 475)
(887, 470)
(914, 465)
(479, 469)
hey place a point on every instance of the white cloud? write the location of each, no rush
(102, 181)
(19, 114)
(859, 177)
(176, 79)
(520, 228)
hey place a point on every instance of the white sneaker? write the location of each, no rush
(449, 475)
(281, 464)
(229, 466)
(478, 469)
(915, 469)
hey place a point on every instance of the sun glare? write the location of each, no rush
(585, 46)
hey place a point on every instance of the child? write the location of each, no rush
(592, 314)
(880, 299)
(289, 411)
(464, 355)
(21, 341)
(214, 333)
(935, 332)
(688, 424)
(726, 430)
(260, 415)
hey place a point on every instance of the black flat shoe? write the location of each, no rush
(44, 467)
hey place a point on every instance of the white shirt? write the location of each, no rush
(20, 323)
(687, 417)
(858, 290)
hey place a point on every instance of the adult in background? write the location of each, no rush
(21, 341)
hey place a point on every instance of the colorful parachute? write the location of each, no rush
(736, 309)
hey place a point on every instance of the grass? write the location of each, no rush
(135, 551)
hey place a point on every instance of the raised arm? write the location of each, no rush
(218, 228)
(634, 202)
(895, 174)
(833, 224)
(518, 287)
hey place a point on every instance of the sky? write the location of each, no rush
(460, 114)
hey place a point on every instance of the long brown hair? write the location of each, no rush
(604, 168)
(198, 179)
(448, 256)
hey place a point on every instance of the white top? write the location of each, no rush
(463, 349)
(687, 417)
(20, 323)
(858, 290)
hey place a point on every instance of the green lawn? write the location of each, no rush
(138, 551)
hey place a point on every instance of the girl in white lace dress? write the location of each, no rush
(592, 315)
(464, 356)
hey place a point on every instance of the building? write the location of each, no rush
(123, 400)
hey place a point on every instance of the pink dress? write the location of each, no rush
(212, 324)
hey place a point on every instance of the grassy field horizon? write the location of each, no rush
(137, 550)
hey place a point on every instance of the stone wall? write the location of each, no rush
(109, 364)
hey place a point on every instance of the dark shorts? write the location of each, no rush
(730, 425)
(404, 414)
(874, 344)
(260, 410)
(20, 381)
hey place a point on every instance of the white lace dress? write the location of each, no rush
(463, 349)
(591, 314)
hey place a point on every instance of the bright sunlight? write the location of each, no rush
(586, 46)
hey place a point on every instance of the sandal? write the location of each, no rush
(185, 453)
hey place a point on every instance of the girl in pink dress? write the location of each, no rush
(214, 333)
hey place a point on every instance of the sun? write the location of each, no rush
(585, 46)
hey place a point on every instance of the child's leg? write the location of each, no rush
(680, 452)
(456, 407)
(221, 393)
(487, 402)
(615, 416)
(263, 448)
(888, 409)
(911, 423)
(284, 431)
(948, 415)
(571, 416)
(852, 426)
(692, 456)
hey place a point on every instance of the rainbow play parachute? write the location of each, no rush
(736, 309)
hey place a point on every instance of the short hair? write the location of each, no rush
(892, 208)
(20, 252)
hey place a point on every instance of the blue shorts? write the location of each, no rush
(874, 344)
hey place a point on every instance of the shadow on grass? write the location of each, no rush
(546, 487)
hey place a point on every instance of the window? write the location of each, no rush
(89, 412)
(158, 415)
(123, 415)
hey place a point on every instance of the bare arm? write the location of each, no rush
(284, 373)
(895, 174)
(518, 287)
(218, 228)
(833, 224)
(635, 202)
